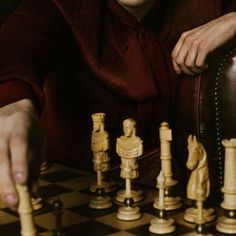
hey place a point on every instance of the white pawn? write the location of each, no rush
(25, 211)
(161, 224)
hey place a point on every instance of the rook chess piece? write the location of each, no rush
(227, 223)
(172, 202)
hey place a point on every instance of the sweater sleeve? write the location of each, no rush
(32, 41)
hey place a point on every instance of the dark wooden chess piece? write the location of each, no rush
(57, 211)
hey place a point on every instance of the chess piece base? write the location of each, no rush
(196, 234)
(226, 225)
(109, 186)
(162, 226)
(100, 202)
(190, 214)
(171, 203)
(128, 213)
(136, 195)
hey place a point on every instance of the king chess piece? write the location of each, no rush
(161, 224)
(172, 202)
(227, 223)
(100, 145)
(198, 164)
(129, 147)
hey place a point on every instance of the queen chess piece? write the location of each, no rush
(161, 224)
(227, 223)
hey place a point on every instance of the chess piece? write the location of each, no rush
(161, 224)
(100, 200)
(57, 211)
(129, 147)
(100, 145)
(227, 223)
(25, 211)
(199, 180)
(37, 203)
(172, 202)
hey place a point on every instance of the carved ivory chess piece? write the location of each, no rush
(199, 180)
(25, 211)
(100, 145)
(129, 147)
(161, 224)
(227, 223)
(137, 195)
(165, 134)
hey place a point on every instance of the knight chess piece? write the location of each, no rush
(129, 147)
(100, 145)
(227, 223)
(172, 202)
(161, 224)
(199, 180)
(25, 211)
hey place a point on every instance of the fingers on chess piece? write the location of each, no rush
(25, 211)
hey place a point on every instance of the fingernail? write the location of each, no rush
(19, 177)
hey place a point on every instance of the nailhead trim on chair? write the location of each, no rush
(218, 119)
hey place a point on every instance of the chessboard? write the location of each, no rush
(72, 186)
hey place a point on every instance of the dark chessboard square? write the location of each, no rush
(59, 176)
(13, 229)
(91, 228)
(52, 190)
(92, 213)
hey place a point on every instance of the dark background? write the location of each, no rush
(6, 7)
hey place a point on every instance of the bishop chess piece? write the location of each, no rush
(25, 211)
(198, 164)
(227, 223)
(100, 145)
(129, 147)
(161, 224)
(172, 202)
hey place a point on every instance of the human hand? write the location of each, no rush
(190, 52)
(21, 149)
